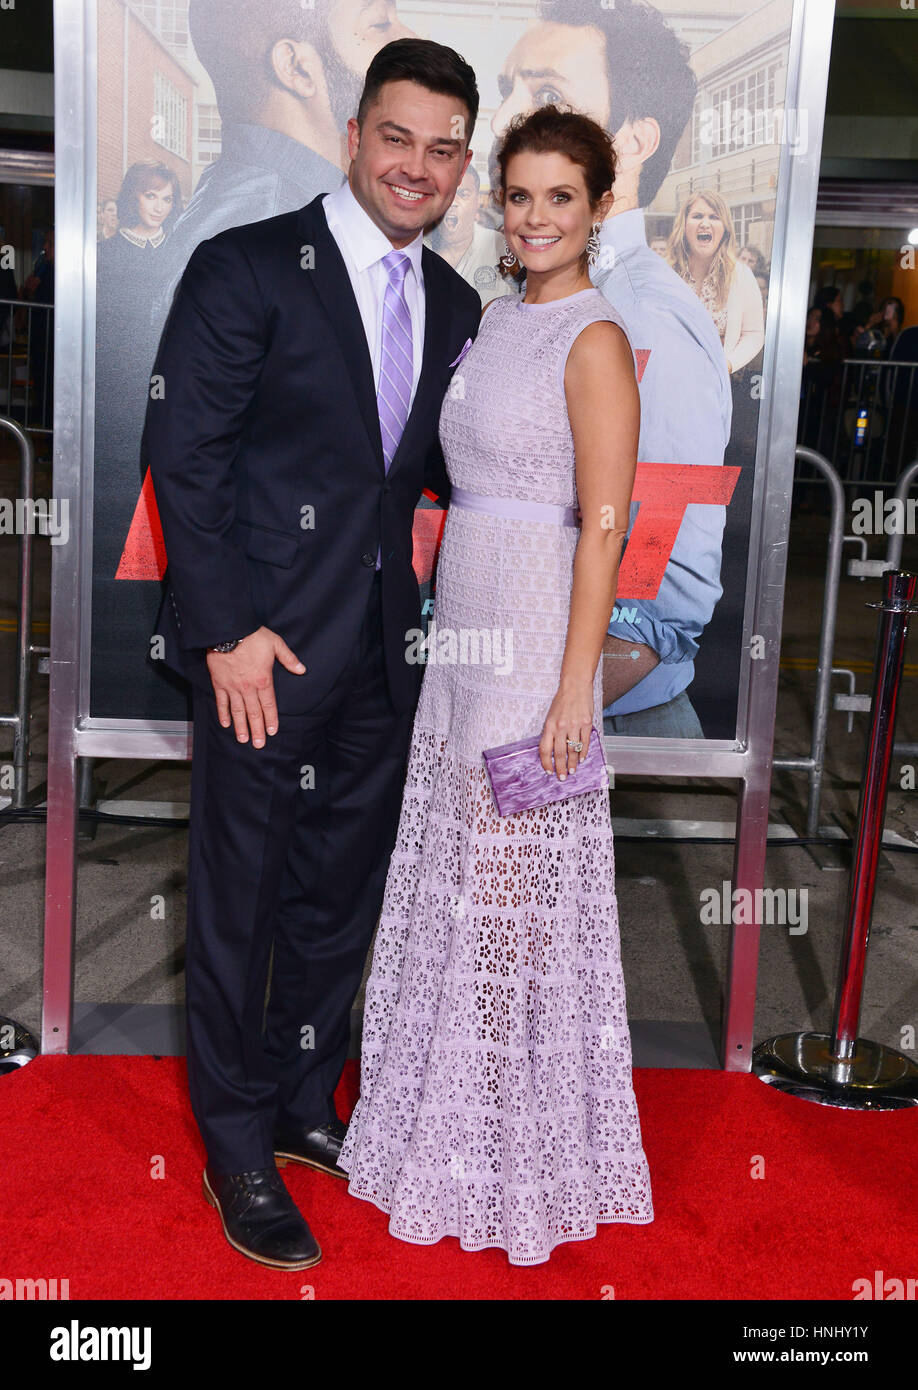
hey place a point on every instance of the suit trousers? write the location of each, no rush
(289, 846)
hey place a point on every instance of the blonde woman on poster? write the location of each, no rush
(702, 249)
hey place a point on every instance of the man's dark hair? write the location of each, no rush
(234, 39)
(648, 72)
(825, 297)
(431, 65)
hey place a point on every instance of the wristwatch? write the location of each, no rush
(225, 646)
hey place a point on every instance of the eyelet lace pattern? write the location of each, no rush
(496, 1096)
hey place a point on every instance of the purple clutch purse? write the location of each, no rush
(520, 783)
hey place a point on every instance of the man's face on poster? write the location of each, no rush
(458, 224)
(561, 63)
(360, 28)
(357, 30)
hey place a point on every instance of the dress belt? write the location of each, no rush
(515, 507)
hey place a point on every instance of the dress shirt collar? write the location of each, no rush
(624, 230)
(365, 241)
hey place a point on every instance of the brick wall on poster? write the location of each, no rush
(140, 51)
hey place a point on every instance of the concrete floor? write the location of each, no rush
(129, 977)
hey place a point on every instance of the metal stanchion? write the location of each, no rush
(843, 1069)
(17, 1046)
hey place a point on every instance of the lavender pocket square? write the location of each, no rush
(465, 347)
(520, 783)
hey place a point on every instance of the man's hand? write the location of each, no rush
(243, 682)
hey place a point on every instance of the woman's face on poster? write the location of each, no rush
(704, 230)
(155, 204)
(559, 63)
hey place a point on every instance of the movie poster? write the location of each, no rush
(213, 113)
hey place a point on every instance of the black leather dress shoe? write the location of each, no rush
(316, 1148)
(260, 1218)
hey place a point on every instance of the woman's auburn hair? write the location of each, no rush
(553, 129)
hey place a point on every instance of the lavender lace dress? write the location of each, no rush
(496, 1098)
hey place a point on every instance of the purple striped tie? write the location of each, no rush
(396, 356)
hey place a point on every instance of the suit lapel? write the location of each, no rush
(333, 286)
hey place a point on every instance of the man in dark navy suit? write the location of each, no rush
(291, 428)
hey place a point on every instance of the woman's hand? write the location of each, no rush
(570, 717)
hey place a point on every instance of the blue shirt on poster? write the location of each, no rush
(686, 411)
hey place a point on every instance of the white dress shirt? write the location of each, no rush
(363, 246)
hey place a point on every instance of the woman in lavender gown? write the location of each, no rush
(496, 1096)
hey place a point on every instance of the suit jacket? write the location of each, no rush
(262, 437)
(259, 173)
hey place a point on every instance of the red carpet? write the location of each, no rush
(83, 1134)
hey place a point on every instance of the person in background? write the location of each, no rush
(850, 326)
(39, 288)
(904, 394)
(865, 301)
(108, 219)
(147, 206)
(819, 397)
(905, 348)
(658, 244)
(830, 297)
(472, 249)
(702, 249)
(752, 256)
(821, 339)
(881, 330)
(9, 292)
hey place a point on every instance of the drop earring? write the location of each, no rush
(592, 246)
(507, 259)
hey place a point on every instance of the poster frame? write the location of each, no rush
(73, 733)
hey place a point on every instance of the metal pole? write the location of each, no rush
(807, 72)
(903, 487)
(814, 765)
(897, 604)
(20, 720)
(74, 95)
(845, 1070)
